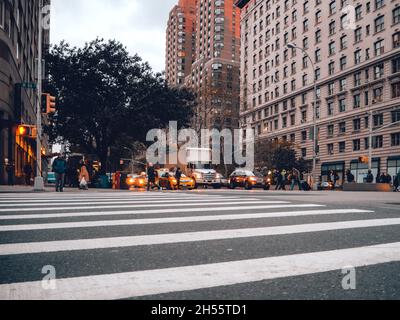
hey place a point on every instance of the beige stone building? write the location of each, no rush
(355, 49)
(213, 73)
(180, 42)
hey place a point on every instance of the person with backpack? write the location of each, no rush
(59, 168)
(84, 177)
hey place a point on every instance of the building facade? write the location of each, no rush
(180, 42)
(354, 57)
(18, 60)
(214, 71)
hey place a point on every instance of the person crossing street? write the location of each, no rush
(59, 168)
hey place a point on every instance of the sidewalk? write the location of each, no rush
(29, 189)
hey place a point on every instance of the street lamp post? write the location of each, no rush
(39, 182)
(315, 133)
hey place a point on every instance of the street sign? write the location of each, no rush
(29, 85)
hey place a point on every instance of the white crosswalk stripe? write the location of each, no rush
(23, 219)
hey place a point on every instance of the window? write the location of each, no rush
(396, 90)
(357, 101)
(2, 13)
(330, 108)
(395, 116)
(331, 68)
(342, 84)
(342, 105)
(357, 79)
(332, 48)
(379, 48)
(378, 120)
(378, 71)
(379, 3)
(318, 55)
(331, 89)
(304, 152)
(357, 57)
(330, 148)
(396, 65)
(396, 15)
(332, 27)
(343, 63)
(357, 145)
(342, 127)
(377, 142)
(342, 147)
(378, 95)
(396, 40)
(356, 124)
(359, 12)
(357, 35)
(304, 136)
(318, 36)
(332, 7)
(343, 42)
(331, 130)
(395, 138)
(379, 24)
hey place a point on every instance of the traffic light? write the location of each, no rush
(364, 160)
(48, 104)
(27, 131)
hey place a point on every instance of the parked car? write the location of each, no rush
(248, 180)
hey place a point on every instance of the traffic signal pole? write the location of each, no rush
(39, 182)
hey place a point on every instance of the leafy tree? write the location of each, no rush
(278, 155)
(106, 97)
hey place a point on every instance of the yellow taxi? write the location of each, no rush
(137, 181)
(167, 180)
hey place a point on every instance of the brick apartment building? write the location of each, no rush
(355, 47)
(214, 70)
(18, 60)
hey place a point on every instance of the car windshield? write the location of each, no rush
(258, 174)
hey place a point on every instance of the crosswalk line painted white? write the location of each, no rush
(56, 205)
(187, 278)
(108, 223)
(153, 211)
(159, 239)
(192, 203)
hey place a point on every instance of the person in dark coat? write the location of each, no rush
(349, 176)
(178, 176)
(370, 177)
(59, 168)
(28, 174)
(151, 177)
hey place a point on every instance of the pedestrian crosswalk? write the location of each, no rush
(129, 245)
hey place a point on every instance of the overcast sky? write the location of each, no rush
(139, 24)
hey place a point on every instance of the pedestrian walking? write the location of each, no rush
(370, 177)
(282, 180)
(350, 177)
(396, 182)
(84, 177)
(59, 168)
(151, 177)
(295, 180)
(178, 176)
(28, 174)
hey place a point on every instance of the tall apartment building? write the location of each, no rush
(180, 44)
(214, 72)
(18, 60)
(355, 49)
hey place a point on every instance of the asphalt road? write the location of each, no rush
(205, 244)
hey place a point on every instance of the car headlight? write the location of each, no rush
(219, 176)
(198, 175)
